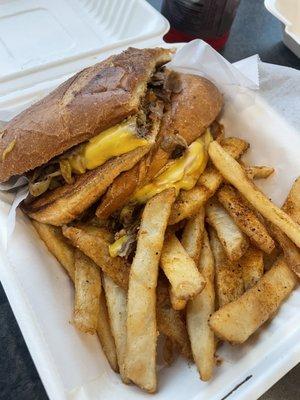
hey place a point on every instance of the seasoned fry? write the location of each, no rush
(252, 264)
(168, 351)
(57, 245)
(245, 218)
(140, 357)
(180, 269)
(177, 304)
(105, 335)
(238, 320)
(292, 204)
(228, 275)
(189, 202)
(65, 254)
(235, 174)
(117, 311)
(233, 240)
(169, 320)
(290, 250)
(95, 246)
(92, 245)
(87, 293)
(199, 309)
(258, 172)
(193, 235)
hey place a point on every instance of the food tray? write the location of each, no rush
(72, 365)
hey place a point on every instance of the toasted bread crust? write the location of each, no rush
(66, 203)
(192, 111)
(91, 101)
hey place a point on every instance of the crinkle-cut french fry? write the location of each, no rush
(117, 311)
(95, 246)
(232, 238)
(252, 264)
(199, 310)
(57, 245)
(189, 202)
(180, 269)
(87, 293)
(292, 203)
(228, 275)
(238, 320)
(140, 356)
(245, 218)
(235, 174)
(258, 172)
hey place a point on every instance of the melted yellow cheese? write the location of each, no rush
(182, 173)
(115, 248)
(113, 142)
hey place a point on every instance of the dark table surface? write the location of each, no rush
(254, 31)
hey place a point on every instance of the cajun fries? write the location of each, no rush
(238, 320)
(228, 275)
(87, 293)
(199, 309)
(162, 273)
(181, 270)
(245, 218)
(233, 240)
(140, 356)
(235, 174)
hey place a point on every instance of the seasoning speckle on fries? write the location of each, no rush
(146, 204)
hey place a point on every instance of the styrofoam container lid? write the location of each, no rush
(288, 12)
(42, 39)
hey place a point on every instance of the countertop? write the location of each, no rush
(254, 31)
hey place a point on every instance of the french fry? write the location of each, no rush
(192, 235)
(170, 321)
(192, 242)
(258, 172)
(92, 241)
(57, 245)
(245, 218)
(177, 304)
(292, 204)
(87, 293)
(189, 202)
(235, 174)
(290, 250)
(117, 311)
(232, 238)
(95, 246)
(105, 335)
(252, 264)
(168, 351)
(65, 254)
(236, 321)
(140, 357)
(228, 275)
(199, 310)
(180, 269)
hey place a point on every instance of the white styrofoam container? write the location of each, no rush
(288, 12)
(78, 33)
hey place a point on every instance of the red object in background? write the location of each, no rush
(209, 20)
